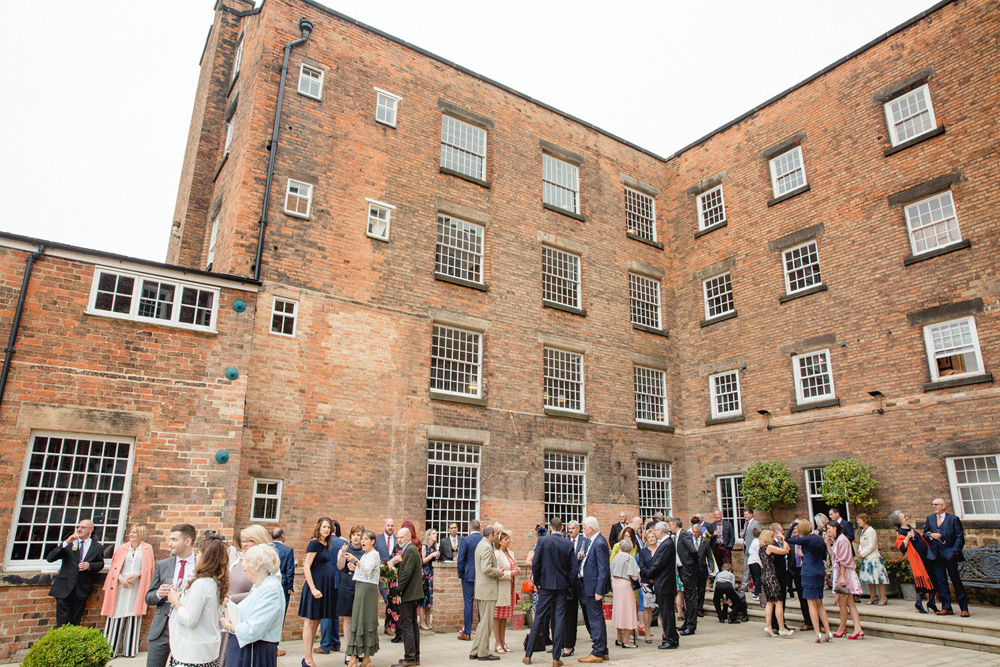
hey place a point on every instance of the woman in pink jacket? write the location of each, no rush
(125, 593)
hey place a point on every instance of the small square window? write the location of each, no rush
(379, 219)
(718, 295)
(975, 486)
(650, 395)
(813, 377)
(266, 503)
(284, 316)
(386, 107)
(311, 82)
(725, 392)
(787, 172)
(560, 277)
(932, 223)
(640, 215)
(801, 267)
(560, 184)
(910, 115)
(563, 380)
(644, 300)
(459, 252)
(953, 349)
(463, 148)
(298, 198)
(711, 208)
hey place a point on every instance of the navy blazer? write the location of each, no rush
(952, 541)
(553, 565)
(645, 560)
(466, 562)
(663, 568)
(70, 578)
(596, 570)
(382, 547)
(286, 556)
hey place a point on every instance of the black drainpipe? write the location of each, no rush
(9, 350)
(306, 26)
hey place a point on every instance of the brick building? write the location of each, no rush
(461, 302)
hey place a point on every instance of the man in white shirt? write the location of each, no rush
(82, 558)
(174, 572)
(449, 545)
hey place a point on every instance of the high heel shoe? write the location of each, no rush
(819, 637)
(769, 632)
(860, 634)
(828, 636)
(786, 632)
(919, 607)
(873, 601)
(838, 635)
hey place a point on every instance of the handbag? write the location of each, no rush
(841, 590)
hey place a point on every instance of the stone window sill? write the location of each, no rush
(652, 426)
(788, 195)
(732, 419)
(718, 318)
(465, 177)
(652, 330)
(566, 309)
(937, 252)
(567, 414)
(937, 131)
(559, 209)
(806, 292)
(710, 229)
(461, 281)
(636, 237)
(456, 398)
(959, 382)
(815, 405)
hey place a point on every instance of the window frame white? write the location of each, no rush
(705, 211)
(285, 316)
(454, 149)
(814, 492)
(776, 176)
(646, 471)
(551, 168)
(394, 109)
(894, 124)
(551, 381)
(816, 271)
(384, 207)
(310, 75)
(913, 214)
(733, 508)
(645, 300)
(230, 130)
(554, 284)
(636, 221)
(213, 239)
(932, 351)
(958, 501)
(136, 297)
(563, 473)
(455, 252)
(455, 364)
(644, 377)
(307, 197)
(257, 495)
(237, 60)
(715, 395)
(800, 398)
(458, 461)
(719, 298)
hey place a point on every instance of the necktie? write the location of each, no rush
(180, 577)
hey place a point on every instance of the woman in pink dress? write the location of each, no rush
(845, 579)
(624, 613)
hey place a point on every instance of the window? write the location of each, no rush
(459, 251)
(266, 503)
(560, 184)
(565, 486)
(932, 223)
(311, 82)
(650, 395)
(640, 215)
(711, 208)
(910, 115)
(237, 61)
(818, 504)
(731, 504)
(284, 314)
(456, 361)
(560, 277)
(386, 107)
(149, 298)
(229, 139)
(212, 239)
(68, 478)
(452, 484)
(975, 486)
(725, 391)
(379, 217)
(298, 198)
(787, 172)
(563, 374)
(463, 148)
(718, 295)
(813, 378)
(644, 300)
(801, 267)
(654, 488)
(953, 349)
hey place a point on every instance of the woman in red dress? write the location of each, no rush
(505, 595)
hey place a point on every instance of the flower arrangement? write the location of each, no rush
(526, 605)
(768, 483)
(386, 574)
(849, 481)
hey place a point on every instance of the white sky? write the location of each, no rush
(97, 96)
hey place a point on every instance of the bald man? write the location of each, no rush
(82, 559)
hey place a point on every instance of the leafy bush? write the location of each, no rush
(69, 646)
(849, 481)
(899, 570)
(768, 483)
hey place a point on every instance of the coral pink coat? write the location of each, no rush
(111, 583)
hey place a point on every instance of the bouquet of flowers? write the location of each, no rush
(386, 574)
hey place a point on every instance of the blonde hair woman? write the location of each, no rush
(771, 589)
(505, 594)
(124, 593)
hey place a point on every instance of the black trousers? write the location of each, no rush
(409, 630)
(551, 606)
(690, 582)
(755, 575)
(571, 616)
(737, 606)
(69, 610)
(665, 605)
(702, 586)
(796, 576)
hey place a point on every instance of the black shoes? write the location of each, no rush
(667, 645)
(685, 633)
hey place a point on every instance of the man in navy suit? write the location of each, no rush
(286, 557)
(686, 558)
(82, 558)
(947, 539)
(595, 582)
(580, 545)
(466, 564)
(663, 571)
(552, 569)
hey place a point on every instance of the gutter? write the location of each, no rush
(9, 350)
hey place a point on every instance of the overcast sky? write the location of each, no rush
(97, 96)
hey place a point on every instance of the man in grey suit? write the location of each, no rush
(747, 539)
(487, 587)
(171, 572)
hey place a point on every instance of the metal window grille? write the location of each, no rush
(298, 198)
(813, 377)
(114, 293)
(640, 214)
(463, 148)
(932, 223)
(650, 395)
(565, 486)
(977, 481)
(311, 81)
(385, 109)
(69, 478)
(459, 249)
(455, 361)
(197, 306)
(560, 184)
(156, 300)
(910, 115)
(731, 501)
(266, 502)
(726, 394)
(802, 267)
(563, 380)
(718, 295)
(560, 277)
(654, 488)
(644, 300)
(787, 172)
(452, 484)
(711, 208)
(379, 218)
(954, 348)
(283, 316)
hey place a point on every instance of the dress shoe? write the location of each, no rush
(489, 657)
(590, 657)
(805, 627)
(320, 650)
(567, 652)
(734, 621)
(465, 638)
(668, 645)
(557, 663)
(526, 660)
(396, 639)
(945, 612)
(700, 613)
(686, 632)
(388, 631)
(280, 652)
(473, 657)
(965, 613)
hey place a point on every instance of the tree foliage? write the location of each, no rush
(768, 483)
(849, 481)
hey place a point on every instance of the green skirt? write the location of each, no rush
(364, 620)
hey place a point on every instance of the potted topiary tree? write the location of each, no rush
(849, 481)
(768, 483)
(69, 646)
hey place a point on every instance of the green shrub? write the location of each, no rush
(899, 570)
(849, 481)
(69, 646)
(768, 483)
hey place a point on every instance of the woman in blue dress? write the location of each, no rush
(319, 596)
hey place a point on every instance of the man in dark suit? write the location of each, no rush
(703, 563)
(947, 540)
(286, 557)
(580, 545)
(845, 525)
(552, 569)
(595, 582)
(410, 587)
(723, 537)
(450, 542)
(466, 565)
(616, 529)
(82, 557)
(686, 556)
(171, 572)
(663, 571)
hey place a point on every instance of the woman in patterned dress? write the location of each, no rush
(430, 554)
(845, 579)
(505, 595)
(772, 592)
(872, 568)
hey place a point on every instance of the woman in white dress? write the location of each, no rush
(872, 570)
(125, 593)
(194, 619)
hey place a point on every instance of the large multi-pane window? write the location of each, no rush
(711, 208)
(563, 380)
(284, 315)
(813, 377)
(266, 502)
(718, 293)
(298, 198)
(650, 395)
(953, 348)
(152, 299)
(452, 484)
(975, 486)
(456, 361)
(644, 300)
(910, 115)
(787, 172)
(68, 478)
(560, 277)
(932, 223)
(801, 267)
(463, 148)
(311, 82)
(459, 251)
(654, 488)
(565, 486)
(730, 491)
(560, 184)
(640, 214)
(725, 391)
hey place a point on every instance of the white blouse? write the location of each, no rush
(194, 626)
(367, 568)
(868, 546)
